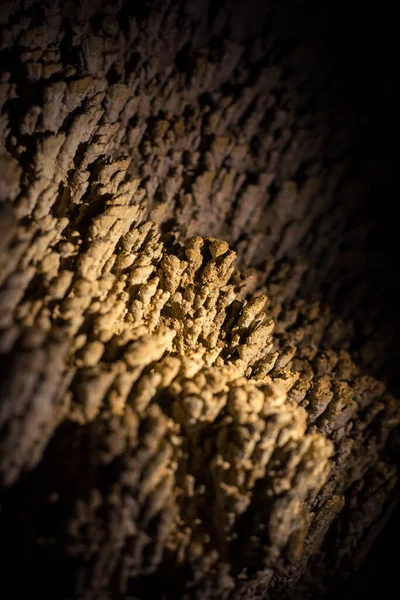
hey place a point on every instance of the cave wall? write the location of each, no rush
(133, 138)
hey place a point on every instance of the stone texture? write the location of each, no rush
(169, 415)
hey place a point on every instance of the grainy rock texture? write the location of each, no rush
(172, 426)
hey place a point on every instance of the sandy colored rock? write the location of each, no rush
(192, 357)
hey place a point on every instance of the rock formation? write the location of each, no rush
(186, 419)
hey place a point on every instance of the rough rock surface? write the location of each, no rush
(182, 429)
